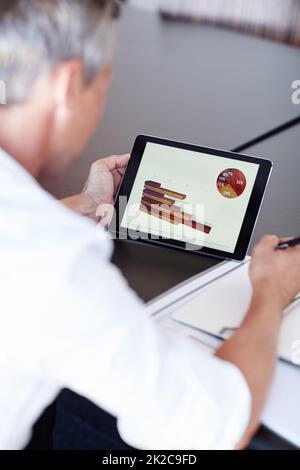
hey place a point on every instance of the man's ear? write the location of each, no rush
(67, 81)
(105, 77)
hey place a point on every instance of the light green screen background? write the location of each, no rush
(194, 174)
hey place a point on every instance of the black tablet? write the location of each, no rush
(189, 197)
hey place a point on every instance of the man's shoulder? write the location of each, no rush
(34, 222)
(42, 246)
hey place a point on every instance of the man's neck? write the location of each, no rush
(24, 137)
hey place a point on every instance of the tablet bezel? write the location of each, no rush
(252, 212)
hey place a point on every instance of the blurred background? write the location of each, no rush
(274, 19)
(212, 72)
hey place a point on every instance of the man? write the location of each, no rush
(68, 318)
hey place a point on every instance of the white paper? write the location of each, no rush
(221, 306)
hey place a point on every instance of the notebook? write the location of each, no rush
(220, 307)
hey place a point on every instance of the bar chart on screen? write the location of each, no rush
(160, 202)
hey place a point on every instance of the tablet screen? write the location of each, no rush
(196, 198)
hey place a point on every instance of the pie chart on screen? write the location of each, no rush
(231, 183)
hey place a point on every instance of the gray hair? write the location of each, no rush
(37, 35)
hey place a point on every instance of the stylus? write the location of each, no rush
(289, 243)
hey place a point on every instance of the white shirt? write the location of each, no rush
(69, 319)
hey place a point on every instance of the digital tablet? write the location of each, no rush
(192, 198)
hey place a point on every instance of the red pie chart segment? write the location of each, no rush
(231, 183)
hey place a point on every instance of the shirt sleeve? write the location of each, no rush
(165, 392)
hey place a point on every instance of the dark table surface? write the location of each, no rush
(197, 84)
(280, 212)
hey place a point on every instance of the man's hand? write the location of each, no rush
(275, 274)
(105, 177)
(101, 187)
(275, 277)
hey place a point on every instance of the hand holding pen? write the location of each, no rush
(289, 243)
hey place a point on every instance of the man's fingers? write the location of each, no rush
(104, 214)
(286, 239)
(122, 161)
(114, 162)
(267, 243)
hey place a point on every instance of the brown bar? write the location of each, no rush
(158, 214)
(153, 184)
(164, 191)
(156, 203)
(155, 207)
(152, 192)
(151, 201)
(181, 217)
(172, 217)
(197, 226)
(167, 216)
(163, 200)
(172, 193)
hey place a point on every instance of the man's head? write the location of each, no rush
(55, 61)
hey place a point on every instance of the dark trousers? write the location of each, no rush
(74, 423)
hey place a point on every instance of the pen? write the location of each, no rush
(289, 243)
